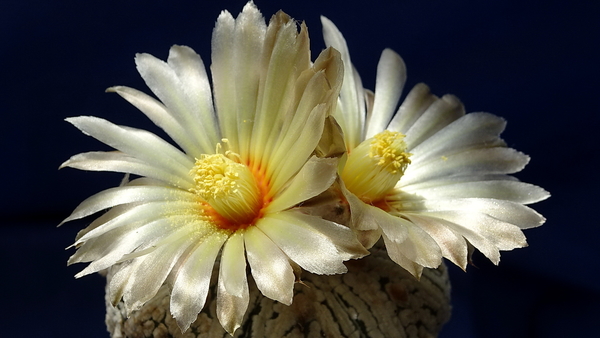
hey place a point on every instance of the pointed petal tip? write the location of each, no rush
(325, 20)
(232, 328)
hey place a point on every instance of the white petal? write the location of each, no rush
(232, 293)
(316, 176)
(129, 241)
(191, 111)
(135, 142)
(437, 116)
(103, 249)
(392, 226)
(418, 246)
(193, 279)
(367, 217)
(509, 190)
(153, 268)
(128, 194)
(120, 162)
(237, 48)
(223, 62)
(120, 280)
(340, 235)
(351, 108)
(231, 309)
(232, 273)
(468, 163)
(159, 114)
(190, 70)
(394, 251)
(287, 54)
(418, 100)
(103, 218)
(453, 246)
(270, 266)
(292, 233)
(485, 233)
(143, 213)
(391, 76)
(475, 130)
(505, 211)
(303, 126)
(302, 142)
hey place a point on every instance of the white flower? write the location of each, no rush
(246, 163)
(430, 179)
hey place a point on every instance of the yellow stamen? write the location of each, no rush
(228, 187)
(376, 165)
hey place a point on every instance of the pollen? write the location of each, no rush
(376, 165)
(228, 187)
(389, 149)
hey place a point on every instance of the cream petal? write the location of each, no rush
(498, 160)
(120, 162)
(160, 116)
(505, 236)
(237, 48)
(509, 190)
(452, 246)
(290, 233)
(231, 309)
(143, 213)
(126, 277)
(316, 176)
(135, 142)
(128, 194)
(150, 274)
(340, 235)
(232, 273)
(115, 246)
(303, 128)
(332, 142)
(351, 109)
(361, 218)
(193, 279)
(286, 56)
(99, 248)
(485, 233)
(223, 62)
(418, 100)
(191, 72)
(505, 211)
(391, 76)
(438, 115)
(369, 221)
(418, 246)
(394, 251)
(120, 280)
(188, 108)
(131, 241)
(270, 266)
(302, 145)
(195, 227)
(103, 218)
(474, 130)
(232, 292)
(392, 226)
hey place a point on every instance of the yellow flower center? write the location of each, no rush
(229, 188)
(375, 166)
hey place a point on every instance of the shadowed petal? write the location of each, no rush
(270, 266)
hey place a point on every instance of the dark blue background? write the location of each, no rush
(534, 63)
